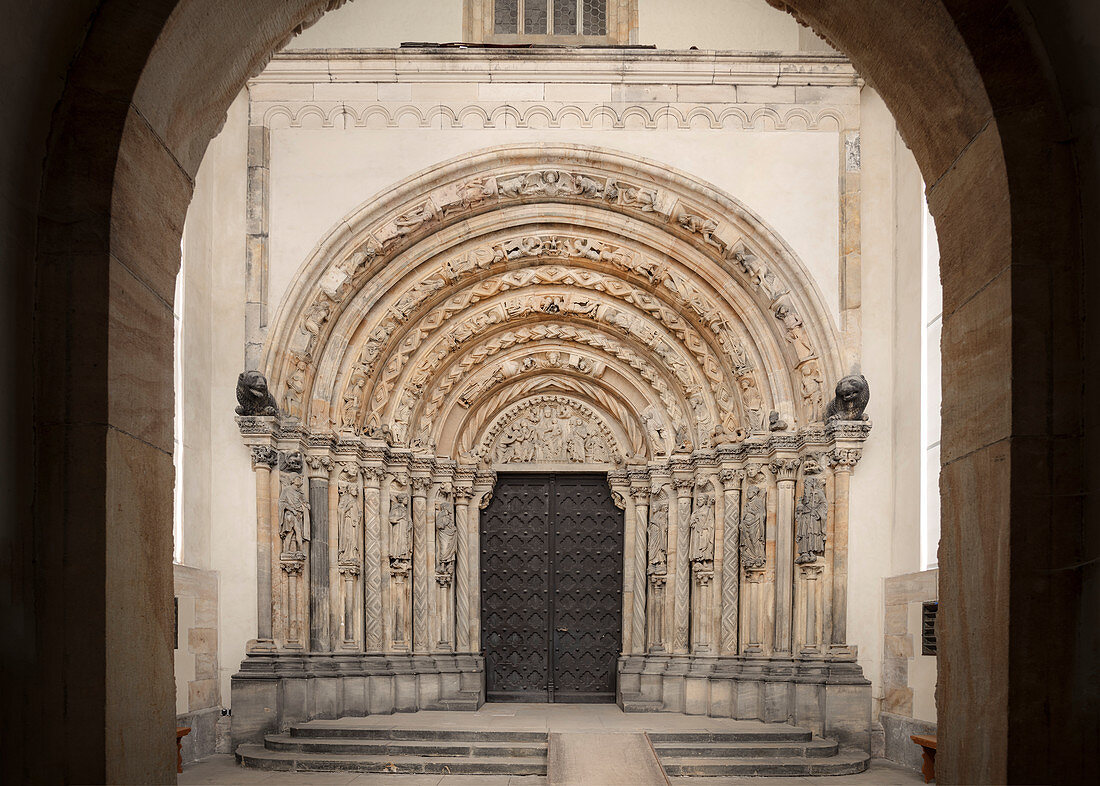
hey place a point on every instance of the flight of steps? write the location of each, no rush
(769, 750)
(778, 751)
(447, 752)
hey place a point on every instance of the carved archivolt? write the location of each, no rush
(366, 345)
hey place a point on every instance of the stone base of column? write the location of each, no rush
(273, 690)
(261, 646)
(830, 697)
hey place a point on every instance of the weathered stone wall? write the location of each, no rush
(198, 695)
(909, 678)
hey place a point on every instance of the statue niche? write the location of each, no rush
(810, 514)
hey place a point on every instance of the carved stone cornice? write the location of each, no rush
(257, 425)
(854, 430)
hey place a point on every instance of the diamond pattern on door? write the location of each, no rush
(551, 588)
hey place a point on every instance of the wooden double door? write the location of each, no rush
(551, 588)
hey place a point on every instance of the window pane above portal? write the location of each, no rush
(534, 17)
(506, 16)
(565, 17)
(595, 17)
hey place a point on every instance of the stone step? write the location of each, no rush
(777, 733)
(258, 757)
(817, 748)
(639, 705)
(844, 763)
(448, 735)
(426, 747)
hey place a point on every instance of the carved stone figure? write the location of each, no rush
(445, 540)
(349, 517)
(702, 532)
(296, 385)
(349, 413)
(775, 422)
(553, 434)
(852, 395)
(293, 513)
(314, 322)
(575, 440)
(753, 522)
(657, 545)
(813, 391)
(409, 222)
(753, 404)
(253, 397)
(809, 515)
(400, 533)
(655, 430)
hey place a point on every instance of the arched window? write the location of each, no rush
(567, 22)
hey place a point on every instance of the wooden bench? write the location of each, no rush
(181, 732)
(927, 744)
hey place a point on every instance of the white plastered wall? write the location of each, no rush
(706, 24)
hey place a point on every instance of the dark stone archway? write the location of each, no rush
(988, 95)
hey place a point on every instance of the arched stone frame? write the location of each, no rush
(988, 150)
(409, 212)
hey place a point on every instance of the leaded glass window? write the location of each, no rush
(565, 17)
(550, 17)
(595, 17)
(506, 16)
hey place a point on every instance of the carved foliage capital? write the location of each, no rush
(731, 477)
(784, 469)
(845, 458)
(264, 455)
(320, 466)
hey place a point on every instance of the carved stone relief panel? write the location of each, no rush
(549, 431)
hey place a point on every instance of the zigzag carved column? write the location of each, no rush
(679, 540)
(422, 583)
(731, 559)
(373, 639)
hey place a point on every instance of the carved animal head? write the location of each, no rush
(254, 384)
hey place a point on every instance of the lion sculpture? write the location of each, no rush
(852, 395)
(253, 397)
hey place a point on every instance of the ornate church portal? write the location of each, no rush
(552, 309)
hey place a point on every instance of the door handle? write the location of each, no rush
(563, 630)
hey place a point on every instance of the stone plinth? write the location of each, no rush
(830, 697)
(272, 691)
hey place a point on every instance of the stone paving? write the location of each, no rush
(222, 769)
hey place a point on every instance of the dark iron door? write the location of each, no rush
(551, 588)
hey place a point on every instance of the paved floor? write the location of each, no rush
(222, 769)
(547, 717)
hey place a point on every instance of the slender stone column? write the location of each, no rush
(319, 468)
(463, 492)
(640, 514)
(422, 581)
(785, 470)
(483, 492)
(264, 457)
(620, 495)
(843, 460)
(373, 640)
(678, 561)
(731, 558)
